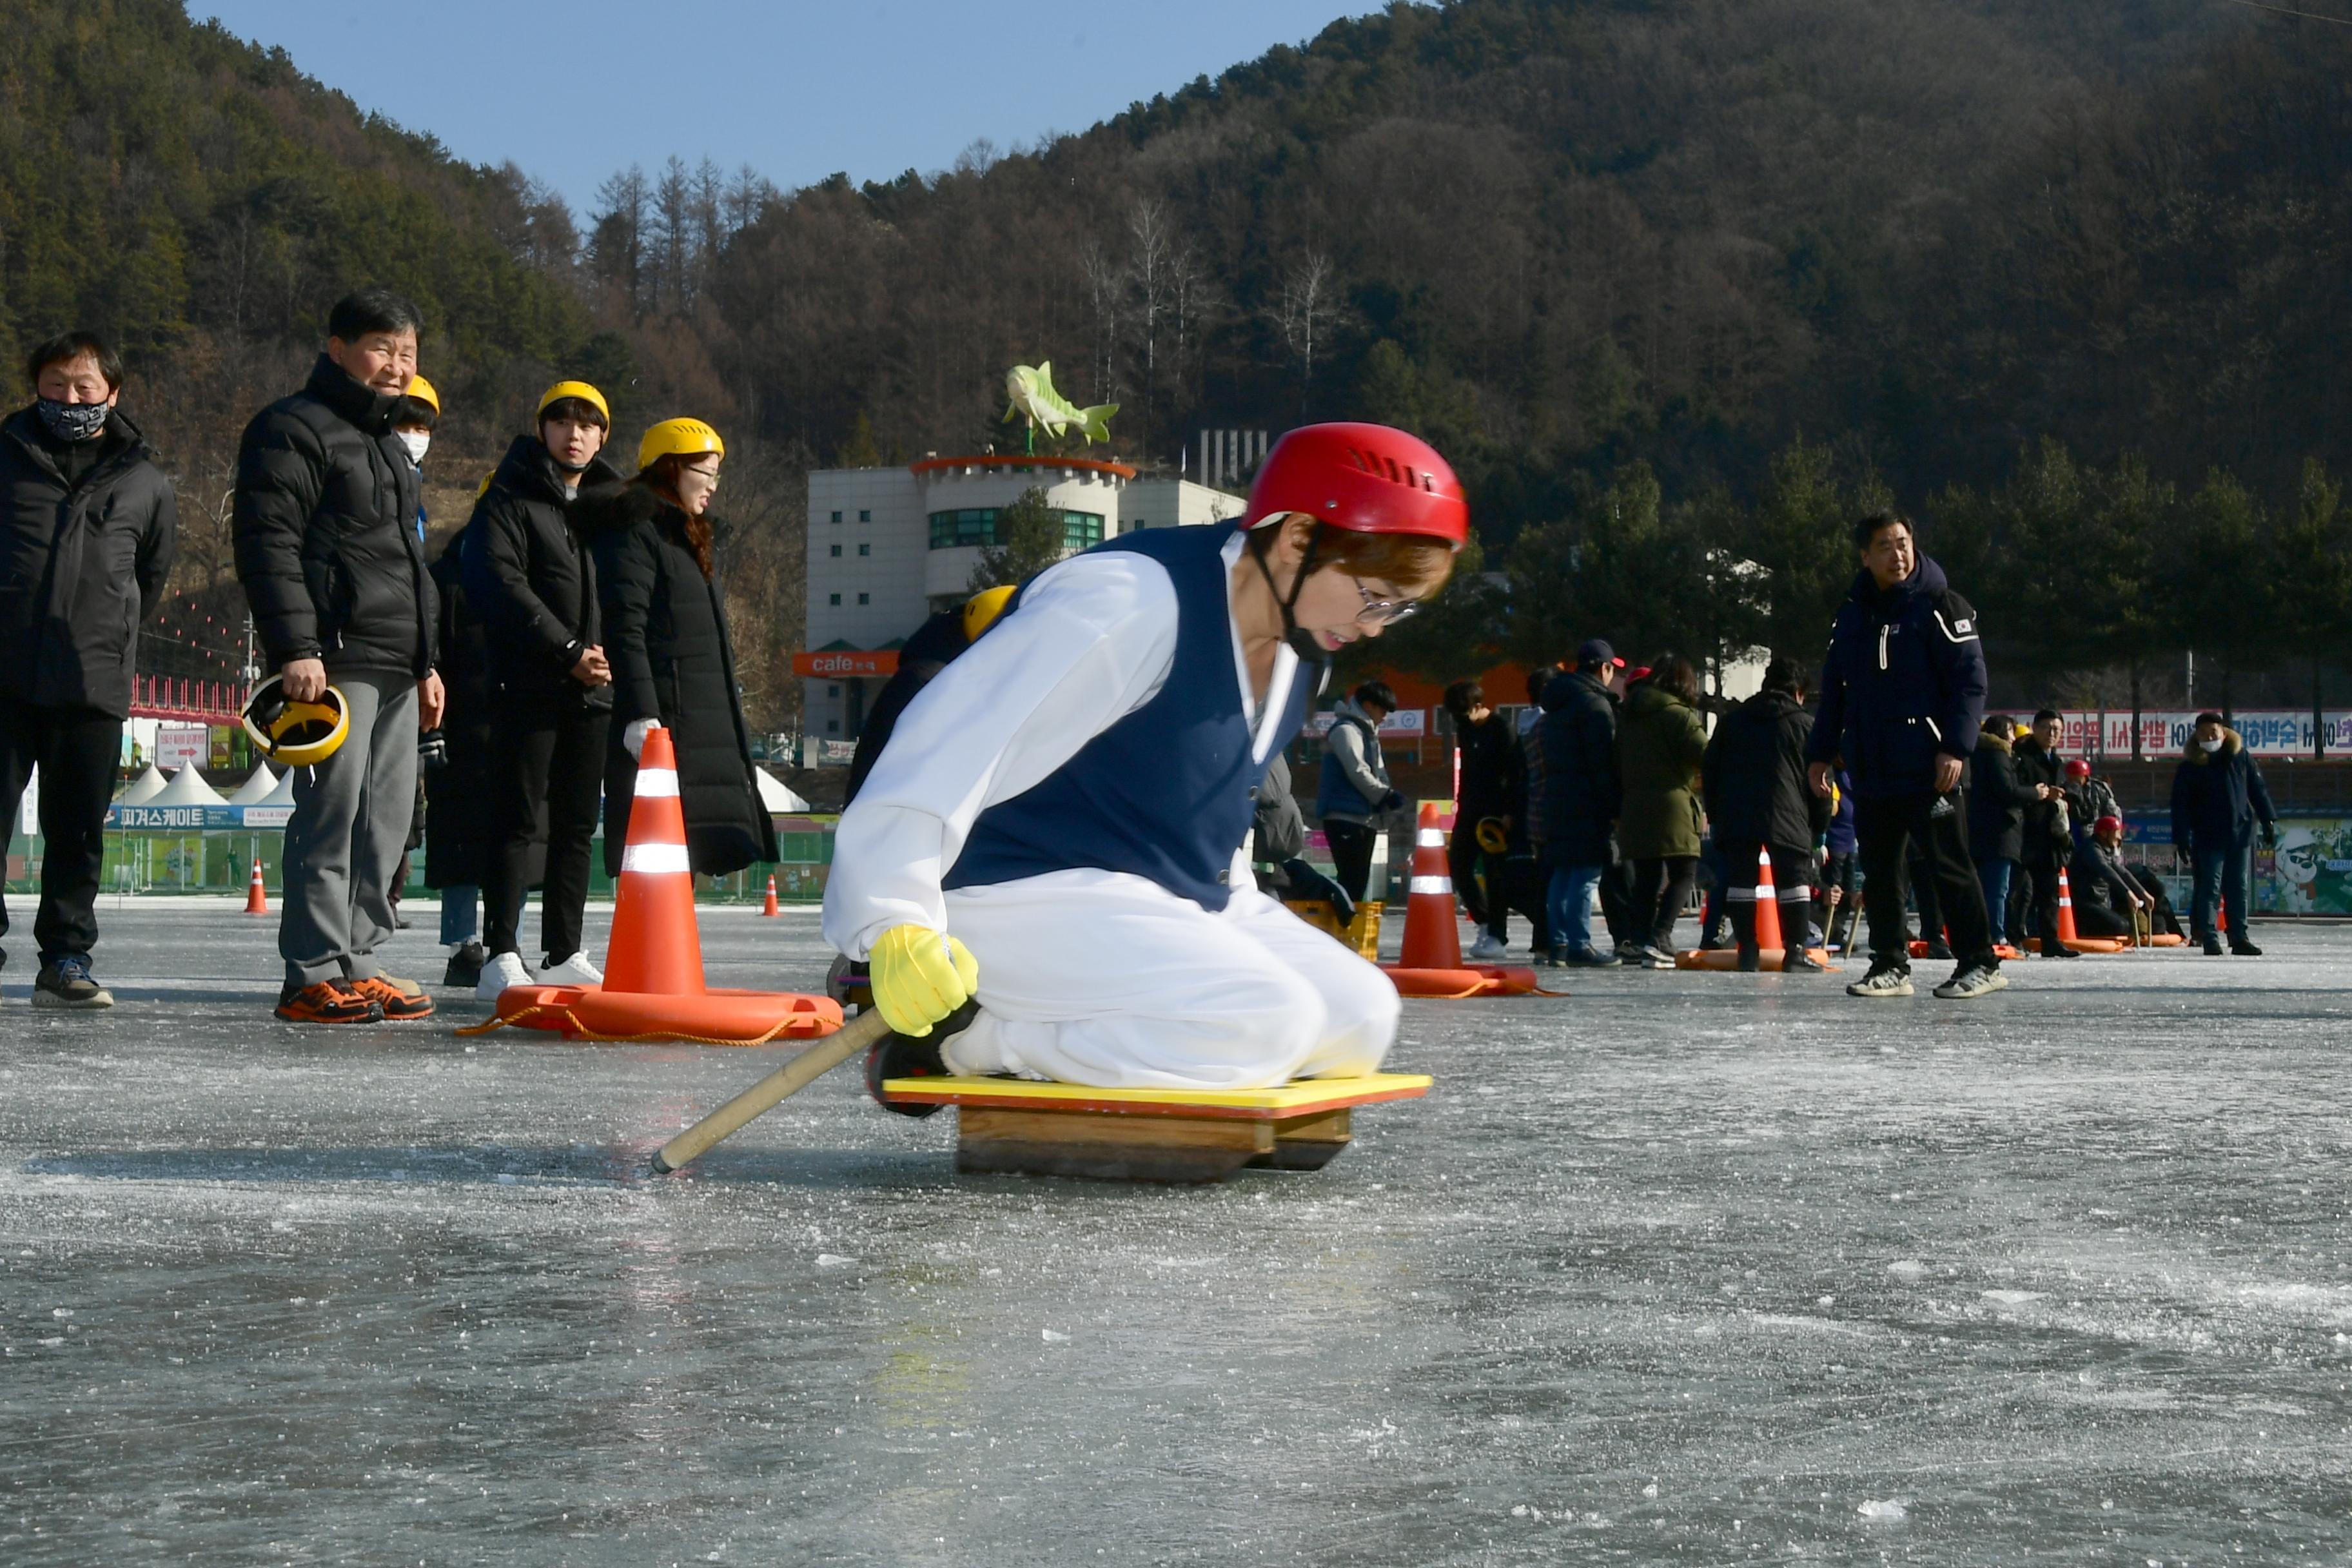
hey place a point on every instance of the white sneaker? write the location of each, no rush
(574, 970)
(1883, 983)
(1487, 948)
(503, 970)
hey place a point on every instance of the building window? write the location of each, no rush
(865, 549)
(977, 525)
(833, 726)
(835, 551)
(832, 691)
(836, 517)
(833, 599)
(864, 598)
(866, 517)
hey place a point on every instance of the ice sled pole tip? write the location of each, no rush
(858, 1036)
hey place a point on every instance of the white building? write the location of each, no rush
(888, 547)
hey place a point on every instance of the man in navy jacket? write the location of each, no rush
(1902, 693)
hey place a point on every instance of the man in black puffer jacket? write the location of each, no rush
(1757, 802)
(86, 535)
(1903, 696)
(531, 579)
(324, 525)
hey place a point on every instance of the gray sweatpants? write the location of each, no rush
(351, 821)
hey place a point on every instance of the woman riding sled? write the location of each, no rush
(1045, 867)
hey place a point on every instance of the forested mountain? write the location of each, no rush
(1675, 282)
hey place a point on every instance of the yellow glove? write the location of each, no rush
(919, 977)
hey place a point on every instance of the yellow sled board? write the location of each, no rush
(1151, 1135)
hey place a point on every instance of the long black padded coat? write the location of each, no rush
(666, 636)
(458, 831)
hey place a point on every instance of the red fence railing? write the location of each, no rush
(189, 701)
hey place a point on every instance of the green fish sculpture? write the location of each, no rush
(1033, 394)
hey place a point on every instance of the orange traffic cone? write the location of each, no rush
(257, 901)
(655, 945)
(1767, 909)
(653, 986)
(771, 908)
(2067, 935)
(1430, 938)
(1431, 963)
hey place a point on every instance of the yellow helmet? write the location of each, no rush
(982, 610)
(580, 390)
(1492, 837)
(422, 390)
(678, 439)
(296, 734)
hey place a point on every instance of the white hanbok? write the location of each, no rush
(1093, 976)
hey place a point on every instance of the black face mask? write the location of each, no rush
(72, 421)
(1302, 642)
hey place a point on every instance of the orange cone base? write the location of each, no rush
(1470, 980)
(2004, 951)
(1728, 958)
(2092, 944)
(709, 1018)
(2166, 939)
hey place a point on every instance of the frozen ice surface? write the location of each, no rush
(1687, 1268)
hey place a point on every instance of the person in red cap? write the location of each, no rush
(2108, 894)
(1045, 870)
(2088, 798)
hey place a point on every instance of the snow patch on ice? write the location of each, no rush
(1908, 1269)
(1884, 1508)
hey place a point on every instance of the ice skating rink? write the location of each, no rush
(1687, 1268)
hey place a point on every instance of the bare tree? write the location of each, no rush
(1305, 312)
(616, 243)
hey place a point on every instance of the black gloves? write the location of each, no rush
(1392, 801)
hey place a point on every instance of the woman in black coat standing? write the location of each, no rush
(666, 638)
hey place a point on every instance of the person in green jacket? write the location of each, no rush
(1660, 741)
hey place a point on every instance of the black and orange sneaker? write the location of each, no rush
(402, 1000)
(327, 1002)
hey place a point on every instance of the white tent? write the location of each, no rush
(776, 795)
(144, 788)
(283, 794)
(187, 788)
(255, 790)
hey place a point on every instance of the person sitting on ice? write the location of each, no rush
(2108, 894)
(1045, 869)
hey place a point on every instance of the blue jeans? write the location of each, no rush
(457, 913)
(2221, 872)
(1569, 903)
(1994, 875)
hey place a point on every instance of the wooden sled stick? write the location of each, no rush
(853, 1038)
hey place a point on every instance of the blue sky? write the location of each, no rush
(796, 90)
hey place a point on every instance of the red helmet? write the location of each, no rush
(2076, 768)
(2108, 823)
(1367, 479)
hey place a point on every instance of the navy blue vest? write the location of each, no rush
(1164, 794)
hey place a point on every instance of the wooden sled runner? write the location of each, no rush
(1151, 1135)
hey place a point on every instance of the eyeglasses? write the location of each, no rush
(1381, 612)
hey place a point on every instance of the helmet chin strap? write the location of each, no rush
(1302, 643)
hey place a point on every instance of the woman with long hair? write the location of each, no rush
(665, 639)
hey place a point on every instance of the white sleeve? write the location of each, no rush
(1092, 641)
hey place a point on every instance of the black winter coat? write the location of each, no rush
(2045, 837)
(2217, 796)
(325, 528)
(1903, 685)
(1582, 791)
(458, 831)
(666, 634)
(1998, 800)
(79, 562)
(529, 576)
(937, 644)
(1753, 775)
(1490, 757)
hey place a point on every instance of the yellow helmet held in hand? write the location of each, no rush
(983, 610)
(422, 390)
(296, 734)
(678, 438)
(580, 390)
